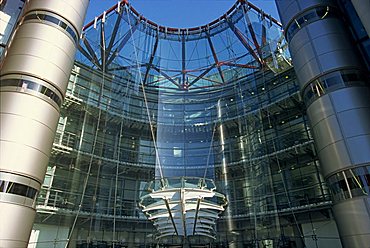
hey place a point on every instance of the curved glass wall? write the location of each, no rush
(219, 102)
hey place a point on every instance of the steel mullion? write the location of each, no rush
(251, 31)
(149, 65)
(125, 39)
(214, 54)
(166, 76)
(102, 46)
(114, 33)
(240, 36)
(183, 52)
(91, 52)
(170, 214)
(202, 75)
(87, 55)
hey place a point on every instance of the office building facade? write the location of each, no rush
(205, 136)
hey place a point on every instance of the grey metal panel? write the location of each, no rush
(363, 9)
(327, 132)
(320, 109)
(359, 148)
(318, 48)
(334, 158)
(306, 53)
(70, 10)
(308, 71)
(335, 41)
(337, 59)
(15, 231)
(349, 98)
(330, 42)
(23, 159)
(355, 211)
(355, 122)
(25, 149)
(327, 27)
(300, 39)
(28, 132)
(29, 107)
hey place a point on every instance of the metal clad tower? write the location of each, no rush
(335, 89)
(34, 77)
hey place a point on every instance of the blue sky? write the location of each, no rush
(179, 13)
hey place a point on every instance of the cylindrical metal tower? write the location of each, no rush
(336, 92)
(34, 77)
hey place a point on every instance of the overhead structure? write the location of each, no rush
(243, 40)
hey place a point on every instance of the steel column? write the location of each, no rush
(336, 92)
(34, 78)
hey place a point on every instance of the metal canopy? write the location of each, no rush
(183, 209)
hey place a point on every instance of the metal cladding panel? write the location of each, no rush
(327, 132)
(338, 59)
(35, 71)
(320, 47)
(42, 51)
(359, 148)
(11, 234)
(326, 27)
(334, 158)
(28, 126)
(30, 107)
(73, 11)
(355, 122)
(290, 8)
(320, 109)
(354, 210)
(349, 98)
(15, 128)
(23, 159)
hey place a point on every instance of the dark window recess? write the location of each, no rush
(350, 183)
(308, 17)
(29, 85)
(17, 189)
(54, 20)
(331, 82)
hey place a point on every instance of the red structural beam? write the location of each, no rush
(151, 60)
(214, 54)
(166, 76)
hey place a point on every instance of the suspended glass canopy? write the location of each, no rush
(183, 206)
(180, 75)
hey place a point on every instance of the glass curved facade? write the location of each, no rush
(219, 102)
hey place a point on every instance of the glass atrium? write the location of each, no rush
(151, 107)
